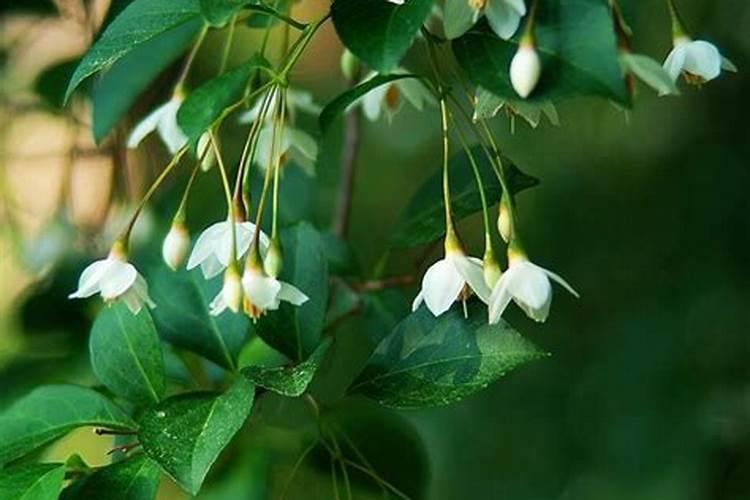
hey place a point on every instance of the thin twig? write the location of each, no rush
(382, 284)
(349, 150)
(296, 467)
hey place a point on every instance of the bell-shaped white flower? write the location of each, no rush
(525, 69)
(388, 98)
(296, 100)
(451, 278)
(396, 2)
(114, 278)
(230, 295)
(528, 285)
(213, 249)
(176, 245)
(163, 120)
(699, 61)
(265, 293)
(295, 145)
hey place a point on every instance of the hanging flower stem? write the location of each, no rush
(190, 59)
(228, 193)
(228, 45)
(124, 236)
(279, 137)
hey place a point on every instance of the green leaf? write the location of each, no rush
(341, 103)
(649, 72)
(207, 103)
(185, 434)
(488, 104)
(138, 23)
(182, 316)
(51, 411)
(32, 482)
(458, 17)
(219, 12)
(51, 83)
(126, 354)
(429, 361)
(423, 220)
(291, 381)
(576, 42)
(120, 85)
(296, 330)
(135, 478)
(377, 31)
(264, 16)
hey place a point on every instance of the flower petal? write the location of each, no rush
(562, 282)
(470, 269)
(504, 17)
(302, 142)
(501, 296)
(675, 61)
(702, 59)
(206, 243)
(133, 301)
(292, 294)
(261, 291)
(169, 130)
(211, 267)
(441, 285)
(417, 301)
(146, 126)
(218, 305)
(89, 282)
(119, 278)
(372, 102)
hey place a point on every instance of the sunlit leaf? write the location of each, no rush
(51, 411)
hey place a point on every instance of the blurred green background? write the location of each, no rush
(646, 213)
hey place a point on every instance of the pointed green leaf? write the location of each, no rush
(51, 411)
(341, 103)
(182, 316)
(377, 31)
(576, 42)
(423, 220)
(32, 482)
(296, 330)
(136, 478)
(429, 361)
(138, 23)
(208, 103)
(185, 434)
(291, 381)
(126, 354)
(649, 72)
(121, 84)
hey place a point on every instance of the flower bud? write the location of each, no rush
(491, 268)
(349, 65)
(274, 260)
(525, 69)
(503, 219)
(206, 152)
(232, 289)
(176, 245)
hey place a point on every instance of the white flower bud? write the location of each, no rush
(274, 260)
(349, 65)
(232, 289)
(503, 219)
(525, 69)
(176, 245)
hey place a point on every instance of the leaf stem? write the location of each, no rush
(191, 57)
(228, 45)
(228, 195)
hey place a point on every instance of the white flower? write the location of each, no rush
(388, 97)
(698, 60)
(164, 120)
(261, 293)
(396, 2)
(230, 295)
(525, 69)
(529, 286)
(176, 245)
(295, 100)
(213, 249)
(113, 278)
(446, 281)
(504, 16)
(295, 145)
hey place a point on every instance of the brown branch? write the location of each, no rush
(352, 128)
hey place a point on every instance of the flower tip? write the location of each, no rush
(525, 70)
